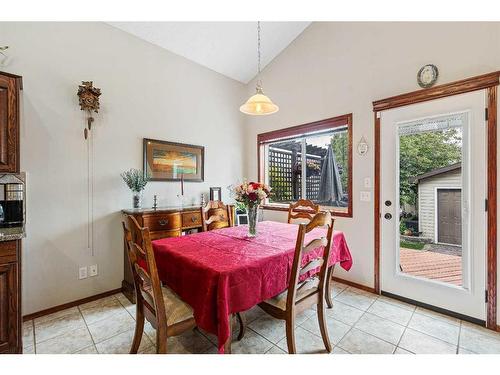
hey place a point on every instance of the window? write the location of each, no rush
(326, 175)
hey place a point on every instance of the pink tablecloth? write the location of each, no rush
(222, 272)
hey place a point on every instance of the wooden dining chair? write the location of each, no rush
(303, 293)
(216, 215)
(302, 209)
(166, 312)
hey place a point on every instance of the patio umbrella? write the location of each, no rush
(330, 188)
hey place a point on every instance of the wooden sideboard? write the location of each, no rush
(162, 222)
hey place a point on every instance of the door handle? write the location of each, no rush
(388, 216)
(163, 222)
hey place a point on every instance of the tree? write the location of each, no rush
(339, 143)
(422, 153)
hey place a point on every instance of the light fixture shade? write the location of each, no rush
(259, 105)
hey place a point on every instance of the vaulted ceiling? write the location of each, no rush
(229, 48)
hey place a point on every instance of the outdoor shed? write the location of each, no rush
(439, 204)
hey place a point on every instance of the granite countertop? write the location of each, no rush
(13, 233)
(166, 209)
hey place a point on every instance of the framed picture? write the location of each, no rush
(170, 161)
(215, 194)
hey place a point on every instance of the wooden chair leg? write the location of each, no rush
(328, 291)
(139, 328)
(161, 341)
(290, 335)
(323, 327)
(243, 325)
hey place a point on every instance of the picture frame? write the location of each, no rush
(215, 194)
(171, 161)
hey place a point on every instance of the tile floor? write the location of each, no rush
(359, 323)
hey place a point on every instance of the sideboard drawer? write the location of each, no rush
(191, 219)
(162, 222)
(165, 234)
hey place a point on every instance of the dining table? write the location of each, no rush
(223, 272)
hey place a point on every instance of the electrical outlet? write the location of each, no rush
(93, 270)
(82, 273)
(367, 182)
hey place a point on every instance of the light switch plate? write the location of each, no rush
(365, 196)
(82, 273)
(367, 183)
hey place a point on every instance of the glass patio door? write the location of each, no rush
(433, 190)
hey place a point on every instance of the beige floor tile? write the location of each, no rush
(479, 340)
(402, 351)
(337, 288)
(355, 299)
(339, 350)
(359, 342)
(345, 313)
(56, 315)
(123, 300)
(398, 303)
(391, 312)
(252, 343)
(275, 350)
(148, 350)
(46, 330)
(29, 350)
(120, 344)
(382, 328)
(305, 342)
(88, 350)
(269, 327)
(254, 313)
(464, 351)
(190, 342)
(67, 343)
(437, 328)
(433, 314)
(106, 328)
(100, 309)
(421, 343)
(336, 329)
(28, 334)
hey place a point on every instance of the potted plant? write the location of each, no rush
(250, 194)
(136, 182)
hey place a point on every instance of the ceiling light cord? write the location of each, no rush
(259, 84)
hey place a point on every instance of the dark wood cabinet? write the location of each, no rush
(10, 297)
(10, 85)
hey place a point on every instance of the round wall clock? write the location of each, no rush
(427, 76)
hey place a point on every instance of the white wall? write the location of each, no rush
(146, 92)
(337, 68)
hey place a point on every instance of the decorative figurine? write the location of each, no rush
(155, 202)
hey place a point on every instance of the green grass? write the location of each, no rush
(412, 245)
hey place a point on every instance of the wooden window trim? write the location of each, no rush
(330, 123)
(489, 83)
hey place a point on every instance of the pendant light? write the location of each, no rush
(259, 104)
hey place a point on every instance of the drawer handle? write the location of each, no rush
(163, 222)
(193, 219)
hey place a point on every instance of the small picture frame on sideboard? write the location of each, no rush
(215, 194)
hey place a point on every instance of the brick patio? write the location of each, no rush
(431, 265)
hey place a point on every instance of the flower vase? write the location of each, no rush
(137, 199)
(252, 219)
